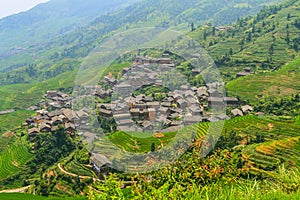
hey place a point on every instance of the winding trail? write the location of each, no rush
(85, 177)
(17, 190)
(75, 175)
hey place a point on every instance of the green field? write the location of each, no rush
(264, 42)
(13, 158)
(131, 143)
(283, 82)
(35, 197)
(22, 96)
(246, 126)
(74, 167)
(13, 120)
(266, 157)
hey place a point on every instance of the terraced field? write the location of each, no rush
(271, 128)
(280, 135)
(13, 120)
(76, 168)
(131, 143)
(13, 158)
(267, 156)
(30, 197)
(198, 129)
(280, 83)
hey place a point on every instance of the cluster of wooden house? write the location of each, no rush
(54, 112)
(141, 73)
(246, 109)
(164, 60)
(181, 107)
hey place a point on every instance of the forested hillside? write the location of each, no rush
(263, 42)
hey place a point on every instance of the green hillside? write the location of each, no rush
(280, 83)
(13, 158)
(263, 42)
(22, 96)
(256, 158)
(35, 197)
(56, 61)
(13, 120)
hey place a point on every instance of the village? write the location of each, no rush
(55, 113)
(182, 106)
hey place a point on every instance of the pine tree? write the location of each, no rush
(193, 26)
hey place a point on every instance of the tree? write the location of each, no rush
(271, 49)
(253, 28)
(296, 47)
(249, 37)
(193, 26)
(287, 38)
(204, 35)
(153, 147)
(213, 31)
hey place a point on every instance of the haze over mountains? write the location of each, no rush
(51, 19)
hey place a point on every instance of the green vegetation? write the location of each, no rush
(14, 158)
(213, 177)
(13, 120)
(263, 158)
(116, 68)
(55, 61)
(139, 144)
(263, 42)
(45, 22)
(250, 158)
(22, 96)
(254, 157)
(157, 92)
(280, 83)
(36, 197)
(272, 93)
(78, 162)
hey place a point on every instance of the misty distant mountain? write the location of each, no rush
(53, 18)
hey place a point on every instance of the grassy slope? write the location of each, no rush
(13, 120)
(255, 52)
(247, 125)
(24, 95)
(35, 197)
(13, 158)
(138, 144)
(285, 81)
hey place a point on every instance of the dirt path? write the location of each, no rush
(17, 190)
(85, 177)
(71, 174)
